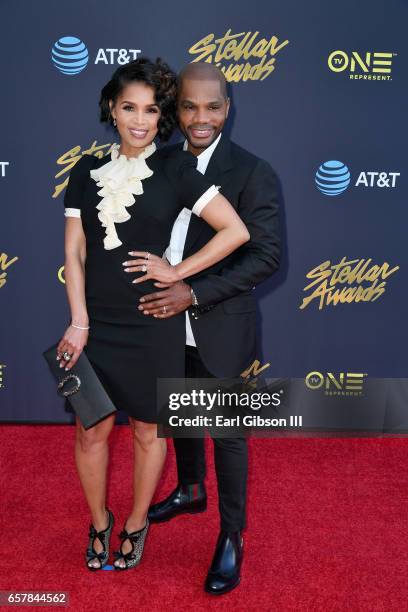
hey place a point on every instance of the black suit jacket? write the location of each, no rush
(224, 326)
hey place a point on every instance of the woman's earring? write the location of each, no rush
(114, 123)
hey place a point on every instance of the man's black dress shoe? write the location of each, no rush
(185, 499)
(224, 573)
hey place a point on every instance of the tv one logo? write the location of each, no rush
(70, 55)
(369, 66)
(342, 383)
(333, 177)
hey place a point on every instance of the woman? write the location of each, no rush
(125, 202)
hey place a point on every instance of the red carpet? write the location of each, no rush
(327, 528)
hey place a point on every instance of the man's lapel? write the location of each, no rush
(220, 163)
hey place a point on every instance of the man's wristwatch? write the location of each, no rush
(194, 301)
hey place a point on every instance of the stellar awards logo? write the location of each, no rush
(350, 280)
(241, 57)
(5, 263)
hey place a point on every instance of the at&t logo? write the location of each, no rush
(70, 55)
(116, 56)
(369, 66)
(3, 166)
(333, 178)
(343, 383)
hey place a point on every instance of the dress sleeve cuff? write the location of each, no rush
(73, 212)
(204, 199)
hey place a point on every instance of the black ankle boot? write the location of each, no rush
(224, 573)
(188, 499)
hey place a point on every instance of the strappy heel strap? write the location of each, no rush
(103, 536)
(137, 540)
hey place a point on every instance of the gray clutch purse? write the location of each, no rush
(82, 388)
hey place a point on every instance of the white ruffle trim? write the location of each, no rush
(120, 180)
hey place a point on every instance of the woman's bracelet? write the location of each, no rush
(78, 326)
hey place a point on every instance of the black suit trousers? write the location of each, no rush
(230, 457)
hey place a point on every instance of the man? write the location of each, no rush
(220, 308)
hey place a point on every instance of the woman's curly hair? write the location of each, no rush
(157, 75)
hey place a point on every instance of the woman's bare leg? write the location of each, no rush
(91, 456)
(149, 456)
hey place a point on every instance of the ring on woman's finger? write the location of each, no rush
(164, 310)
(147, 255)
(66, 356)
(144, 268)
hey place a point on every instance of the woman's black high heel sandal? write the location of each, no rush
(137, 540)
(103, 537)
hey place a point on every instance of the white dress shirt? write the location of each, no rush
(174, 251)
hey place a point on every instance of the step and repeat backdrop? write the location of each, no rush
(318, 89)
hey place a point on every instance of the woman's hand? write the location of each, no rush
(156, 268)
(73, 343)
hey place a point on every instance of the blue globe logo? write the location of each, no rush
(69, 55)
(332, 178)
